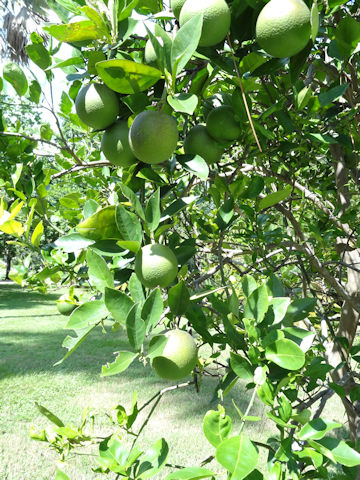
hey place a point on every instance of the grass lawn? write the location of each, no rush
(31, 333)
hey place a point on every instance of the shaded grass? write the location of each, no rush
(31, 333)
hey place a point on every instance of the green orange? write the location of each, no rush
(178, 358)
(222, 125)
(97, 106)
(65, 305)
(156, 265)
(115, 145)
(283, 27)
(216, 19)
(153, 136)
(199, 142)
(176, 6)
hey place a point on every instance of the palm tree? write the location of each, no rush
(20, 18)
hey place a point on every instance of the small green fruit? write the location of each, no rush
(97, 106)
(65, 305)
(283, 27)
(178, 358)
(115, 145)
(199, 142)
(216, 19)
(153, 136)
(156, 265)
(221, 124)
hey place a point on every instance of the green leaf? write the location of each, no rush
(89, 313)
(49, 415)
(135, 327)
(67, 63)
(217, 426)
(153, 459)
(255, 187)
(278, 306)
(275, 287)
(241, 367)
(112, 454)
(347, 35)
(195, 165)
(183, 102)
(66, 105)
(177, 206)
(248, 285)
(37, 234)
(136, 289)
(185, 43)
(135, 202)
(61, 475)
(275, 197)
(75, 32)
(303, 97)
(127, 10)
(73, 242)
(121, 363)
(299, 309)
(152, 211)
(125, 76)
(118, 303)
(152, 309)
(316, 429)
(238, 455)
(179, 298)
(314, 20)
(34, 91)
(15, 76)
(99, 273)
(190, 473)
(128, 224)
(225, 214)
(257, 304)
(286, 354)
(72, 343)
(337, 451)
(39, 55)
(333, 94)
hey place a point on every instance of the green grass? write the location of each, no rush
(31, 333)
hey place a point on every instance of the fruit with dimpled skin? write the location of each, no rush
(153, 136)
(283, 27)
(97, 106)
(115, 145)
(222, 125)
(216, 19)
(178, 358)
(199, 142)
(156, 265)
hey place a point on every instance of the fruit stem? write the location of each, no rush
(243, 95)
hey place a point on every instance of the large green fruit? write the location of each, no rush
(221, 124)
(97, 106)
(65, 305)
(156, 265)
(100, 226)
(283, 27)
(199, 142)
(178, 358)
(115, 145)
(216, 22)
(153, 136)
(176, 6)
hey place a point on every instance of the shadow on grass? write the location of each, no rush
(13, 297)
(24, 352)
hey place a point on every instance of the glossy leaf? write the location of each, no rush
(61, 475)
(118, 303)
(317, 429)
(89, 313)
(99, 274)
(257, 304)
(39, 55)
(128, 225)
(238, 455)
(135, 327)
(183, 102)
(152, 211)
(13, 74)
(152, 309)
(179, 298)
(121, 363)
(286, 354)
(241, 367)
(195, 165)
(185, 43)
(274, 198)
(72, 343)
(337, 451)
(153, 459)
(125, 76)
(190, 473)
(217, 426)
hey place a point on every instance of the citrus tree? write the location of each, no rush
(214, 215)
